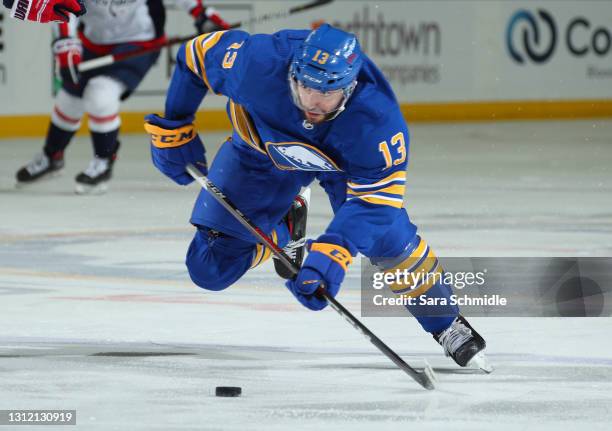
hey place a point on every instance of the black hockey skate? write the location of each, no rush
(94, 179)
(296, 221)
(462, 343)
(42, 166)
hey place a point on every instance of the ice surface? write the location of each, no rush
(97, 312)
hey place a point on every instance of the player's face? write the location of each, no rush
(317, 104)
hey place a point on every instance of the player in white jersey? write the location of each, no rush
(44, 10)
(108, 28)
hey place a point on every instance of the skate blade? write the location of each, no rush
(481, 362)
(86, 189)
(44, 178)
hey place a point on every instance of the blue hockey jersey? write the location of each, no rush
(360, 157)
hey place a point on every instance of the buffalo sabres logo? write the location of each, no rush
(299, 156)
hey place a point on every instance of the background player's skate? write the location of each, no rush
(41, 167)
(94, 179)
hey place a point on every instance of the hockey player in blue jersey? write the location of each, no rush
(304, 106)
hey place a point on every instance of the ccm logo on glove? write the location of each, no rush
(174, 144)
(325, 266)
(163, 138)
(338, 254)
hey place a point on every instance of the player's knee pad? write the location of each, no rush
(68, 111)
(102, 97)
(216, 261)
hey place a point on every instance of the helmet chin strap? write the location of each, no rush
(330, 115)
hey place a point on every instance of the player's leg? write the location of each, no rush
(65, 121)
(102, 98)
(216, 260)
(263, 193)
(402, 248)
(106, 88)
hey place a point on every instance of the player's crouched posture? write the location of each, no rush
(44, 11)
(126, 26)
(304, 106)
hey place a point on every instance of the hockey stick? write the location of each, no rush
(107, 60)
(426, 378)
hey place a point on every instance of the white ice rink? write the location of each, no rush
(97, 312)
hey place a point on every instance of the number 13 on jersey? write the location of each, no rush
(230, 56)
(396, 153)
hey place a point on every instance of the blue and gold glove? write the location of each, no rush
(174, 143)
(327, 262)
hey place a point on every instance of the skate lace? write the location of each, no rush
(292, 247)
(38, 164)
(454, 337)
(96, 167)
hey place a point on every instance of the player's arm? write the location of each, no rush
(44, 11)
(370, 209)
(376, 179)
(211, 62)
(374, 196)
(67, 51)
(206, 18)
(373, 199)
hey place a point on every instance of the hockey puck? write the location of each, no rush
(228, 391)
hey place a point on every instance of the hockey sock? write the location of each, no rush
(280, 236)
(420, 282)
(105, 144)
(57, 140)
